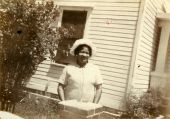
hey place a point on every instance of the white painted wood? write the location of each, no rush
(114, 70)
(118, 4)
(112, 73)
(118, 65)
(114, 97)
(52, 87)
(114, 88)
(154, 33)
(104, 29)
(98, 1)
(162, 51)
(112, 12)
(149, 43)
(116, 52)
(141, 86)
(38, 81)
(133, 9)
(163, 17)
(79, 5)
(145, 82)
(113, 47)
(114, 79)
(112, 25)
(42, 69)
(168, 59)
(112, 34)
(112, 42)
(36, 86)
(54, 75)
(118, 39)
(135, 62)
(106, 99)
(133, 18)
(45, 77)
(116, 21)
(114, 82)
(109, 57)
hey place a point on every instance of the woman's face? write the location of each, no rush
(83, 55)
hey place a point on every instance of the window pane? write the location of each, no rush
(75, 20)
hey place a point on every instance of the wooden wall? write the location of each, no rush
(168, 59)
(147, 45)
(112, 27)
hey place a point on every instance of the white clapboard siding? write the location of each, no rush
(114, 17)
(36, 86)
(101, 1)
(120, 8)
(168, 59)
(121, 39)
(112, 27)
(117, 95)
(111, 12)
(123, 31)
(111, 42)
(110, 101)
(109, 57)
(118, 52)
(146, 56)
(142, 77)
(116, 21)
(114, 47)
(117, 4)
(45, 77)
(114, 79)
(144, 81)
(113, 34)
(52, 87)
(119, 67)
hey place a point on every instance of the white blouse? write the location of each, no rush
(79, 82)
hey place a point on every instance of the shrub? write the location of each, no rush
(144, 105)
(27, 34)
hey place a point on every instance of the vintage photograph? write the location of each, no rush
(84, 59)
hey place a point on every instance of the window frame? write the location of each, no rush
(78, 7)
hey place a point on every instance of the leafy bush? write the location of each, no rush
(143, 105)
(27, 34)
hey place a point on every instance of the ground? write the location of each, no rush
(35, 107)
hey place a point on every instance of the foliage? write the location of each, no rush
(28, 33)
(143, 105)
(37, 107)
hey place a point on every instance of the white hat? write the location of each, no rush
(81, 42)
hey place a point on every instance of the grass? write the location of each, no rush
(37, 107)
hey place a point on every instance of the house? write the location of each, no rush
(127, 36)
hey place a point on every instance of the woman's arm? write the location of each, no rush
(98, 93)
(61, 91)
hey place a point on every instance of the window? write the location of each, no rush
(71, 19)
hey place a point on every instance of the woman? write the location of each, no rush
(82, 80)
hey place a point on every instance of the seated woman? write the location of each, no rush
(81, 80)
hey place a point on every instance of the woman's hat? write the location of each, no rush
(82, 42)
